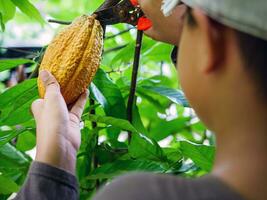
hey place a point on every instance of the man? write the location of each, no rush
(222, 67)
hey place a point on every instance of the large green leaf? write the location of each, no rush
(107, 154)
(123, 166)
(6, 136)
(20, 110)
(10, 96)
(120, 123)
(202, 155)
(176, 96)
(11, 158)
(27, 8)
(7, 185)
(108, 95)
(7, 11)
(142, 147)
(158, 52)
(125, 55)
(162, 128)
(85, 155)
(26, 141)
(137, 121)
(11, 63)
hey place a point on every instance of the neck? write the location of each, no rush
(241, 158)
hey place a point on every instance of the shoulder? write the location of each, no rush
(142, 186)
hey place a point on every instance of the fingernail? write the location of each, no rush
(87, 92)
(44, 75)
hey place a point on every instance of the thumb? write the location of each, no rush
(36, 108)
(50, 83)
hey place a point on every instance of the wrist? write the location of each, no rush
(63, 158)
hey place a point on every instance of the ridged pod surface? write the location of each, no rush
(74, 56)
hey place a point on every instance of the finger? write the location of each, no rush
(50, 83)
(78, 107)
(37, 107)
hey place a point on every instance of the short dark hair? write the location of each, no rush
(254, 54)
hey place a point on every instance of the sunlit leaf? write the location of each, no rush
(144, 148)
(202, 155)
(120, 123)
(108, 95)
(176, 96)
(27, 8)
(6, 136)
(7, 185)
(10, 158)
(26, 141)
(6, 64)
(20, 109)
(7, 10)
(11, 95)
(162, 128)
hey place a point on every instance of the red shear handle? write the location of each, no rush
(144, 24)
(134, 2)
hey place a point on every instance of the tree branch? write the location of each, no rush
(59, 22)
(120, 33)
(131, 99)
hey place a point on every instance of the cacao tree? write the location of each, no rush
(165, 134)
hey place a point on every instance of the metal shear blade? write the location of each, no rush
(122, 12)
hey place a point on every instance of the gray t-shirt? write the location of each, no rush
(47, 182)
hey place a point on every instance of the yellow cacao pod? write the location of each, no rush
(74, 56)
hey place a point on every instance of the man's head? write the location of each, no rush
(223, 60)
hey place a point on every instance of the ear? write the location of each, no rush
(211, 40)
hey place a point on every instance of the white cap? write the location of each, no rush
(168, 6)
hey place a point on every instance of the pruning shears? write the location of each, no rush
(122, 11)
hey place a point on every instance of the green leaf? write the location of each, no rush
(120, 123)
(10, 96)
(202, 155)
(20, 110)
(85, 155)
(162, 128)
(26, 141)
(11, 158)
(158, 52)
(124, 55)
(7, 10)
(19, 115)
(6, 136)
(7, 185)
(11, 63)
(176, 96)
(124, 166)
(137, 121)
(2, 23)
(174, 155)
(27, 8)
(106, 154)
(142, 147)
(108, 95)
